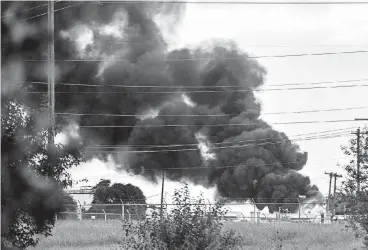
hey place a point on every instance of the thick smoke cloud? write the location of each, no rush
(138, 61)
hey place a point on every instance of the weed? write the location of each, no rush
(186, 226)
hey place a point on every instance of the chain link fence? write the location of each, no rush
(238, 212)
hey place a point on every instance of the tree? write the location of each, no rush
(31, 186)
(339, 204)
(105, 193)
(69, 207)
(356, 202)
(351, 168)
(26, 171)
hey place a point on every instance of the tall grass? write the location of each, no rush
(193, 227)
(93, 235)
(295, 236)
(85, 234)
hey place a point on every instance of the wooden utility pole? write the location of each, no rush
(358, 159)
(162, 192)
(51, 82)
(358, 152)
(329, 192)
(357, 133)
(335, 175)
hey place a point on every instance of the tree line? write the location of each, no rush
(106, 198)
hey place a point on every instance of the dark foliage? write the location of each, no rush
(30, 185)
(356, 202)
(105, 193)
(69, 207)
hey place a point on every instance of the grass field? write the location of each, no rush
(93, 235)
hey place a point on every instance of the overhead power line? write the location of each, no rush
(316, 135)
(188, 87)
(216, 115)
(69, 6)
(98, 177)
(315, 111)
(219, 167)
(45, 13)
(242, 2)
(118, 41)
(32, 17)
(210, 148)
(256, 142)
(230, 166)
(199, 91)
(213, 125)
(151, 42)
(205, 2)
(25, 10)
(187, 149)
(240, 165)
(213, 58)
(325, 131)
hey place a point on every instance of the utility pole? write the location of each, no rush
(51, 82)
(357, 133)
(162, 192)
(329, 192)
(358, 159)
(335, 175)
(358, 152)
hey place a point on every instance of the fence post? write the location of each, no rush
(299, 209)
(104, 213)
(254, 209)
(80, 211)
(322, 218)
(208, 210)
(128, 215)
(209, 205)
(165, 205)
(205, 207)
(122, 209)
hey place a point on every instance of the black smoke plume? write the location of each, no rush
(150, 78)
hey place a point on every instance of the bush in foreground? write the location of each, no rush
(186, 226)
(354, 199)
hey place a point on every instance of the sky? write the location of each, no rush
(275, 30)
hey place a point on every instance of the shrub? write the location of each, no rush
(353, 198)
(189, 225)
(357, 208)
